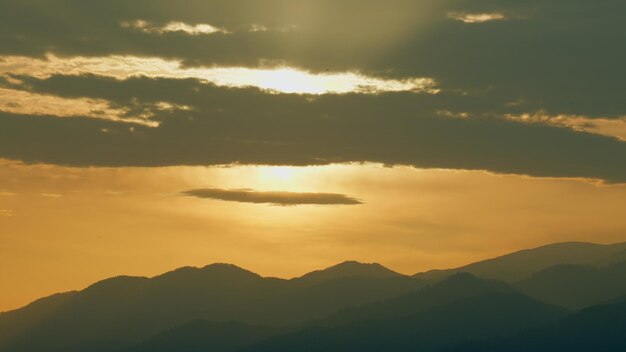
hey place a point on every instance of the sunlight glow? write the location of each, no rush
(273, 80)
(197, 29)
(611, 127)
(476, 17)
(280, 177)
(22, 102)
(282, 173)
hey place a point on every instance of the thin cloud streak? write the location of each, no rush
(173, 27)
(23, 102)
(51, 195)
(273, 198)
(476, 17)
(612, 127)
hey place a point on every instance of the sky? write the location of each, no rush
(285, 136)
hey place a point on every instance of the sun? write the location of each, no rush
(289, 80)
(282, 173)
(283, 178)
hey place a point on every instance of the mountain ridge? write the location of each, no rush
(435, 274)
(484, 316)
(124, 310)
(519, 265)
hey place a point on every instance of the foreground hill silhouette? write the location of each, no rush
(483, 316)
(520, 265)
(348, 306)
(599, 329)
(461, 308)
(202, 336)
(497, 321)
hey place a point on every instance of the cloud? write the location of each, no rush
(28, 103)
(575, 71)
(476, 17)
(274, 198)
(196, 29)
(603, 126)
(51, 195)
(274, 129)
(274, 79)
(224, 90)
(6, 212)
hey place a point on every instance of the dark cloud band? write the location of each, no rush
(275, 198)
(554, 57)
(564, 55)
(246, 126)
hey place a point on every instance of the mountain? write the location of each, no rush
(347, 269)
(120, 311)
(598, 329)
(458, 286)
(485, 316)
(345, 299)
(577, 286)
(460, 308)
(520, 265)
(12, 323)
(201, 336)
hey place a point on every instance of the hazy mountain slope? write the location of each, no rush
(601, 328)
(480, 317)
(124, 310)
(202, 336)
(598, 329)
(520, 265)
(458, 286)
(577, 286)
(320, 300)
(117, 312)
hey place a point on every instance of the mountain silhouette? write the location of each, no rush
(599, 329)
(459, 309)
(348, 269)
(349, 306)
(124, 310)
(14, 322)
(577, 286)
(202, 336)
(479, 317)
(520, 265)
(458, 286)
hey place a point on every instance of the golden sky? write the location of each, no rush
(64, 228)
(285, 136)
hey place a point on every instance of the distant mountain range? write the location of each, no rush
(527, 298)
(576, 286)
(521, 265)
(123, 310)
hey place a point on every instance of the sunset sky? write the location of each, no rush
(285, 136)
